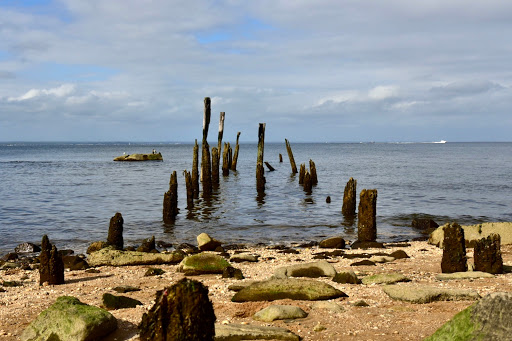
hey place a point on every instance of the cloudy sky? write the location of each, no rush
(323, 70)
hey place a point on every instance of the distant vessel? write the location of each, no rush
(442, 141)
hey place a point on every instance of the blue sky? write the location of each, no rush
(327, 70)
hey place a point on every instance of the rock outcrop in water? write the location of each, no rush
(140, 157)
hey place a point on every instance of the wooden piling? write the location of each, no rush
(260, 177)
(230, 156)
(205, 159)
(195, 171)
(221, 131)
(170, 210)
(215, 166)
(367, 220)
(190, 189)
(290, 155)
(308, 184)
(302, 172)
(349, 199)
(269, 166)
(312, 170)
(235, 156)
(280, 158)
(225, 160)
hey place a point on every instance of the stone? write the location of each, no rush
(318, 327)
(112, 302)
(463, 275)
(487, 255)
(295, 289)
(360, 303)
(346, 277)
(125, 289)
(389, 278)
(51, 268)
(140, 157)
(381, 259)
(27, 248)
(148, 245)
(367, 216)
(364, 262)
(454, 250)
(9, 257)
(231, 272)
(170, 203)
(236, 332)
(153, 272)
(330, 306)
(279, 312)
(399, 254)
(488, 319)
(115, 231)
(181, 312)
(366, 245)
(426, 294)
(207, 243)
(243, 257)
(472, 233)
(203, 263)
(113, 257)
(349, 198)
(71, 320)
(96, 246)
(425, 225)
(74, 263)
(311, 270)
(332, 243)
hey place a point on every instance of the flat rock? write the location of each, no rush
(424, 294)
(472, 233)
(71, 320)
(346, 277)
(365, 262)
(125, 288)
(311, 270)
(332, 243)
(464, 275)
(295, 289)
(236, 332)
(108, 256)
(140, 157)
(203, 263)
(330, 306)
(390, 278)
(381, 259)
(243, 257)
(112, 302)
(399, 254)
(279, 312)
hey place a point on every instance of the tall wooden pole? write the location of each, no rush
(312, 169)
(221, 131)
(215, 166)
(225, 159)
(205, 160)
(190, 189)
(260, 171)
(290, 155)
(235, 157)
(195, 171)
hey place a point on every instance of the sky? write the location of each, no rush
(313, 71)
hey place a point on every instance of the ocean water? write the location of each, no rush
(71, 190)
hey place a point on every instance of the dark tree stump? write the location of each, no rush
(51, 268)
(454, 250)
(225, 159)
(312, 170)
(308, 183)
(206, 166)
(487, 254)
(190, 189)
(115, 231)
(260, 171)
(349, 199)
(290, 156)
(280, 158)
(302, 173)
(181, 312)
(367, 218)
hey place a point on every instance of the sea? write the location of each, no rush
(69, 191)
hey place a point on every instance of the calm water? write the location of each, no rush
(70, 191)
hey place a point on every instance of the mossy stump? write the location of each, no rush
(488, 254)
(454, 250)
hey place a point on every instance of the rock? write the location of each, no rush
(112, 257)
(92, 271)
(11, 284)
(381, 259)
(71, 320)
(236, 332)
(367, 216)
(96, 246)
(311, 270)
(243, 257)
(356, 255)
(203, 263)
(425, 294)
(425, 225)
(153, 272)
(363, 263)
(27, 248)
(366, 245)
(279, 312)
(346, 277)
(472, 233)
(464, 275)
(332, 243)
(390, 278)
(74, 263)
(181, 312)
(360, 303)
(399, 254)
(140, 157)
(330, 306)
(51, 268)
(328, 200)
(487, 255)
(11, 256)
(112, 302)
(295, 289)
(188, 248)
(231, 272)
(207, 243)
(318, 327)
(454, 250)
(125, 289)
(115, 231)
(148, 245)
(488, 319)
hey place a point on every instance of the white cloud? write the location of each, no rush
(61, 91)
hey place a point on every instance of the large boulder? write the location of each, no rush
(111, 257)
(203, 263)
(295, 289)
(426, 294)
(312, 270)
(488, 319)
(71, 320)
(472, 233)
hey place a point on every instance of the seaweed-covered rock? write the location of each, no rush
(203, 263)
(148, 245)
(346, 277)
(332, 243)
(112, 257)
(426, 294)
(312, 270)
(234, 332)
(389, 278)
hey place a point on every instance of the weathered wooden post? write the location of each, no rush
(221, 131)
(230, 156)
(312, 170)
(195, 172)
(51, 266)
(190, 189)
(290, 155)
(367, 220)
(487, 254)
(235, 156)
(269, 166)
(170, 210)
(349, 199)
(115, 231)
(308, 183)
(302, 172)
(260, 171)
(206, 169)
(215, 167)
(454, 249)
(280, 158)
(225, 159)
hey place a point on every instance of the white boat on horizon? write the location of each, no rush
(442, 141)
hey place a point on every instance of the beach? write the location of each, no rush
(383, 318)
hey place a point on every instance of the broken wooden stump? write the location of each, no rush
(225, 159)
(115, 231)
(170, 210)
(280, 158)
(454, 249)
(487, 254)
(302, 172)
(235, 156)
(290, 156)
(260, 172)
(221, 131)
(367, 220)
(195, 171)
(206, 169)
(269, 166)
(308, 183)
(312, 171)
(349, 199)
(51, 267)
(190, 189)
(215, 167)
(230, 157)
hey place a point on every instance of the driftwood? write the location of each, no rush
(260, 177)
(235, 156)
(270, 168)
(290, 155)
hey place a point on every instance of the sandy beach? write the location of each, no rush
(383, 318)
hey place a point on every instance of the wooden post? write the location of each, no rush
(205, 159)
(269, 166)
(280, 158)
(230, 156)
(312, 169)
(225, 160)
(170, 210)
(302, 172)
(190, 189)
(195, 171)
(290, 155)
(349, 199)
(235, 157)
(308, 184)
(260, 171)
(215, 166)
(221, 135)
(367, 221)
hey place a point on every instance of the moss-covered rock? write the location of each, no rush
(203, 263)
(390, 278)
(108, 256)
(312, 270)
(279, 312)
(71, 320)
(427, 294)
